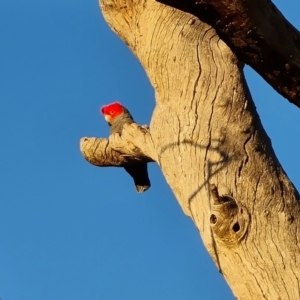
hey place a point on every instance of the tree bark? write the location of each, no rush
(134, 146)
(259, 35)
(210, 144)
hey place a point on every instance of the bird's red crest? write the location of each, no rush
(111, 111)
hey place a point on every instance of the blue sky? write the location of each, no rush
(70, 230)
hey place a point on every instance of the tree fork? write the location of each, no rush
(259, 35)
(212, 149)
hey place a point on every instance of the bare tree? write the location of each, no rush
(207, 137)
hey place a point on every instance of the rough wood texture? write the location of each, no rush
(260, 36)
(209, 142)
(134, 146)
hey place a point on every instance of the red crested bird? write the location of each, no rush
(116, 116)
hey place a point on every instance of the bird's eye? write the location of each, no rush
(112, 112)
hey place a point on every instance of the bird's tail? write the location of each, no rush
(139, 173)
(142, 188)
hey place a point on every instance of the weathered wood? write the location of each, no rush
(259, 35)
(214, 153)
(133, 147)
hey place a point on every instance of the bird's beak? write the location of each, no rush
(107, 118)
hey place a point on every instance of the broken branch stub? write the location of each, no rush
(134, 146)
(229, 220)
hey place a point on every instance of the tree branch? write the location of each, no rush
(134, 146)
(259, 35)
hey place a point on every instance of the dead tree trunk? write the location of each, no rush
(209, 142)
(258, 34)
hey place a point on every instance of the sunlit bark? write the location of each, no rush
(209, 142)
